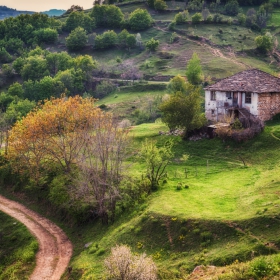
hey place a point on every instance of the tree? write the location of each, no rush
(194, 71)
(101, 166)
(232, 8)
(107, 40)
(152, 44)
(79, 19)
(264, 42)
(140, 19)
(77, 39)
(181, 17)
(196, 18)
(46, 35)
(34, 68)
(156, 160)
(183, 110)
(16, 90)
(51, 134)
(107, 15)
(178, 83)
(160, 5)
(123, 265)
(205, 14)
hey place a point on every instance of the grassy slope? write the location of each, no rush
(17, 249)
(229, 212)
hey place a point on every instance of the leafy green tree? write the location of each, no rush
(5, 100)
(130, 41)
(79, 19)
(181, 17)
(19, 109)
(232, 8)
(4, 55)
(16, 90)
(183, 111)
(178, 83)
(152, 44)
(264, 42)
(107, 15)
(59, 62)
(46, 35)
(140, 19)
(160, 5)
(107, 40)
(35, 68)
(196, 18)
(77, 39)
(194, 70)
(241, 18)
(156, 160)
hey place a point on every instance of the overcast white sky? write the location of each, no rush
(40, 6)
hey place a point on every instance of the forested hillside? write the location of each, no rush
(100, 112)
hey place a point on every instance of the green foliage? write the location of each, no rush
(237, 124)
(241, 18)
(195, 5)
(34, 68)
(109, 16)
(160, 5)
(232, 8)
(183, 110)
(104, 88)
(264, 42)
(181, 17)
(196, 18)
(261, 267)
(156, 160)
(152, 44)
(77, 39)
(106, 40)
(178, 83)
(140, 19)
(4, 55)
(79, 19)
(19, 109)
(16, 90)
(46, 35)
(194, 72)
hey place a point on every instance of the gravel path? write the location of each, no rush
(55, 249)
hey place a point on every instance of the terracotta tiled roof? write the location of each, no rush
(252, 80)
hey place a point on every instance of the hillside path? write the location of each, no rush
(55, 249)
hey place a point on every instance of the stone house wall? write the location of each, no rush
(268, 105)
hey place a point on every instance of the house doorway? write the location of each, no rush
(235, 99)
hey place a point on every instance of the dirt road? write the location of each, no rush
(55, 249)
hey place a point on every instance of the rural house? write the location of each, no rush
(250, 93)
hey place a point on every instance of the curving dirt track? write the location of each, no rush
(55, 249)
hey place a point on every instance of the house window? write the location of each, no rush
(213, 112)
(248, 98)
(213, 95)
(228, 95)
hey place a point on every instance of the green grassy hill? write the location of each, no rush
(224, 213)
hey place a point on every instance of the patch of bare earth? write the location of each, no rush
(55, 249)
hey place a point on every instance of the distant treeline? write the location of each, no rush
(244, 2)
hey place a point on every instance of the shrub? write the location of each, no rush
(262, 267)
(122, 264)
(171, 25)
(152, 44)
(232, 8)
(196, 18)
(140, 20)
(106, 40)
(160, 5)
(77, 39)
(181, 17)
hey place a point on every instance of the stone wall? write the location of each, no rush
(268, 105)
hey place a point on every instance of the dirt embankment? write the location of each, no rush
(55, 249)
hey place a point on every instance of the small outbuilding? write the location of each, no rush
(248, 94)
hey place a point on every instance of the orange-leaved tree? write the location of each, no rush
(80, 139)
(51, 134)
